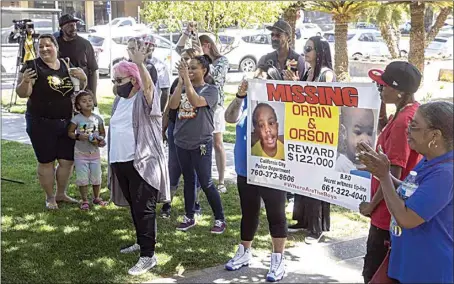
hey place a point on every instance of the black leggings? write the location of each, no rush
(250, 208)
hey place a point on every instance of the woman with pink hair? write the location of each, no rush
(138, 173)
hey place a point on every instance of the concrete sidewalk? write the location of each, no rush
(13, 129)
(340, 262)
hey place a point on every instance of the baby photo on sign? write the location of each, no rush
(267, 135)
(355, 125)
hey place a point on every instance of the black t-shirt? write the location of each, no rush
(173, 112)
(52, 92)
(81, 54)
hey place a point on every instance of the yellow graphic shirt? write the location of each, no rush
(29, 49)
(258, 151)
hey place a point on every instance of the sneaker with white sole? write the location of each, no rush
(186, 224)
(242, 258)
(144, 264)
(130, 249)
(219, 227)
(277, 268)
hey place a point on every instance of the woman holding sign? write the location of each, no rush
(313, 214)
(422, 208)
(250, 196)
(397, 83)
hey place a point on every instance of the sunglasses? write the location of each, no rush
(118, 80)
(278, 35)
(379, 87)
(308, 49)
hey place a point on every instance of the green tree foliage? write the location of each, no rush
(212, 16)
(343, 12)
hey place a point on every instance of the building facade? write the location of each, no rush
(91, 12)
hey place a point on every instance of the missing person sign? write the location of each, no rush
(303, 138)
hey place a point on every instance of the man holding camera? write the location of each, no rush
(24, 34)
(78, 50)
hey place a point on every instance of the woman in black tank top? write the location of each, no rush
(46, 82)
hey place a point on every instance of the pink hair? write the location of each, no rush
(129, 69)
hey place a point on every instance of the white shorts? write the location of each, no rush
(219, 120)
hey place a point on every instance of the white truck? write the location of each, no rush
(120, 24)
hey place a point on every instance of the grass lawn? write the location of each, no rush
(71, 245)
(105, 100)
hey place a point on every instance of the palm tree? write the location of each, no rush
(290, 15)
(418, 38)
(343, 12)
(388, 17)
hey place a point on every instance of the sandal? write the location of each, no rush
(222, 188)
(84, 206)
(51, 206)
(100, 202)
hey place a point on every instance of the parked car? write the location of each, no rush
(128, 24)
(446, 31)
(164, 50)
(361, 43)
(441, 47)
(244, 48)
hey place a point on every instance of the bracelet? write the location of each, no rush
(239, 96)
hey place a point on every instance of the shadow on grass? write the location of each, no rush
(66, 245)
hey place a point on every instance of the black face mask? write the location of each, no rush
(124, 90)
(275, 43)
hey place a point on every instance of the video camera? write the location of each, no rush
(20, 26)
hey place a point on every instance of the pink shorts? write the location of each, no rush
(88, 171)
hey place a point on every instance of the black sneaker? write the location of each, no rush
(165, 211)
(296, 228)
(313, 238)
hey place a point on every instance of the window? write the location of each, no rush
(330, 37)
(368, 37)
(95, 40)
(257, 39)
(126, 23)
(161, 43)
(227, 40)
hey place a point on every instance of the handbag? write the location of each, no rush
(381, 275)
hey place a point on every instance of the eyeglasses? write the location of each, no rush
(118, 80)
(308, 49)
(278, 35)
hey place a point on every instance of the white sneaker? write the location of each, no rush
(144, 264)
(241, 258)
(277, 268)
(130, 249)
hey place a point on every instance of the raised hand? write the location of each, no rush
(139, 55)
(290, 75)
(377, 164)
(242, 89)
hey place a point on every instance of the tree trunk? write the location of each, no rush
(290, 17)
(417, 35)
(439, 22)
(388, 34)
(340, 48)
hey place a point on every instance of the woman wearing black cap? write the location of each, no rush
(397, 83)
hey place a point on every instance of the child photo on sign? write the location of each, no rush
(267, 134)
(355, 125)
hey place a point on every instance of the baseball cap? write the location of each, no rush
(400, 75)
(67, 18)
(281, 25)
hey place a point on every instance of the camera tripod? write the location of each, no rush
(19, 62)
